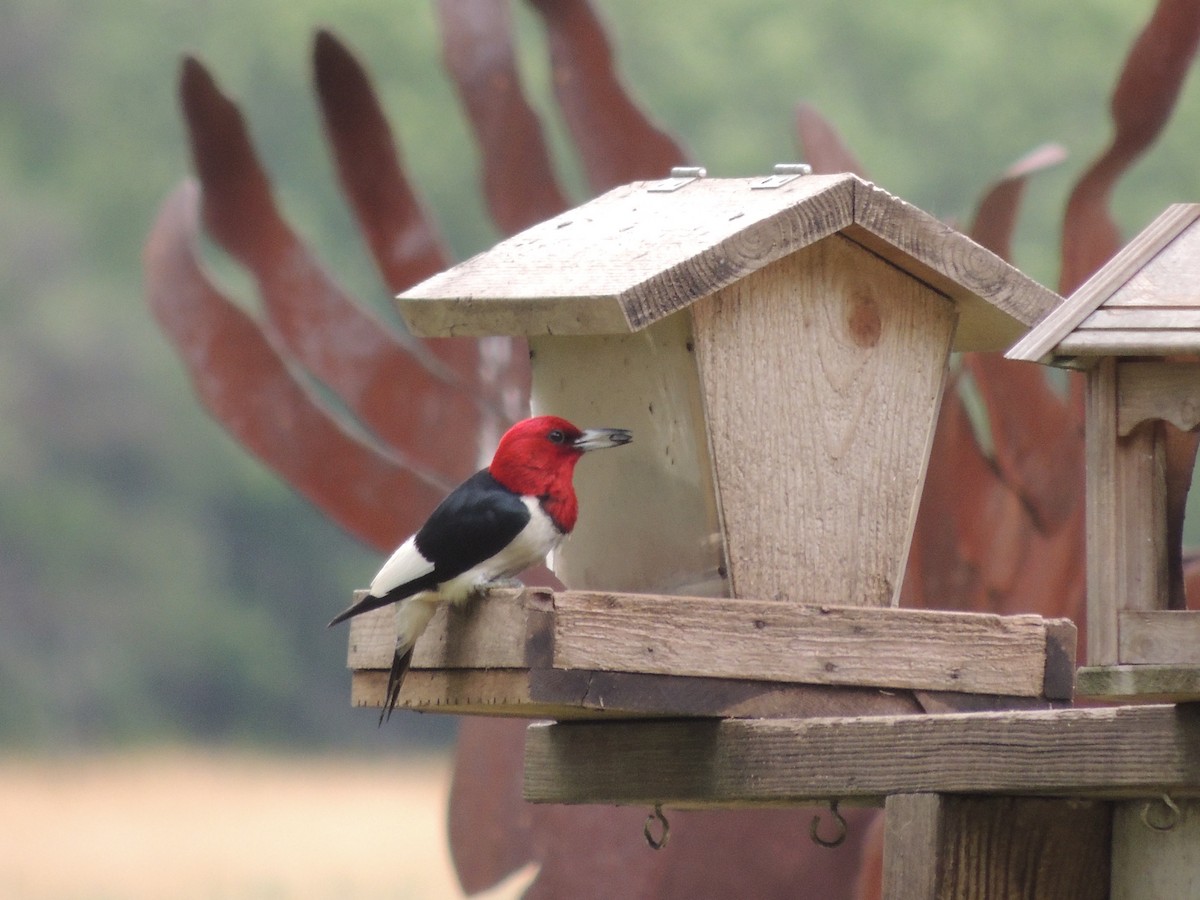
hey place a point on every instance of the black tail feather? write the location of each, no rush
(366, 604)
(400, 664)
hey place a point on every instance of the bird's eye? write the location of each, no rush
(557, 436)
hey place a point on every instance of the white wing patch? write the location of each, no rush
(402, 566)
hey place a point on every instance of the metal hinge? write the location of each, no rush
(784, 173)
(680, 176)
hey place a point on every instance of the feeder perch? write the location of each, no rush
(1134, 328)
(779, 347)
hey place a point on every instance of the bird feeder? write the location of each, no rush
(1134, 328)
(779, 348)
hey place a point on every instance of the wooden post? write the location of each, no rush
(1156, 850)
(946, 847)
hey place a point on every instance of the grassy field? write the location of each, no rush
(191, 824)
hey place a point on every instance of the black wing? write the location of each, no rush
(477, 520)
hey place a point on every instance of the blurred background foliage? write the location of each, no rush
(156, 583)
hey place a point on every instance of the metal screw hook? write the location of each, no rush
(661, 841)
(836, 840)
(1172, 815)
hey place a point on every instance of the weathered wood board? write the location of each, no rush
(939, 847)
(1103, 753)
(1156, 850)
(1140, 683)
(1157, 269)
(634, 256)
(569, 654)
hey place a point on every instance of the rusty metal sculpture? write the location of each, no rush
(999, 530)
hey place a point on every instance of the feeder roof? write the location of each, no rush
(1144, 302)
(644, 250)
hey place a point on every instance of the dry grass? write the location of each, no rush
(189, 824)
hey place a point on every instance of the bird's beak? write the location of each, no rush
(602, 438)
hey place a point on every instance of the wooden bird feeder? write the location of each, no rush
(1134, 327)
(779, 347)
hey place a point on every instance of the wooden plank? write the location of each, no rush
(668, 696)
(1099, 753)
(1158, 390)
(912, 846)
(997, 302)
(476, 692)
(507, 629)
(820, 455)
(1160, 637)
(1153, 318)
(650, 386)
(1156, 850)
(939, 847)
(1103, 526)
(1051, 333)
(1131, 342)
(1142, 683)
(781, 641)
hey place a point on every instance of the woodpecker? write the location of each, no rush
(497, 523)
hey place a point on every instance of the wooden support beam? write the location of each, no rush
(972, 848)
(1101, 753)
(1104, 585)
(578, 694)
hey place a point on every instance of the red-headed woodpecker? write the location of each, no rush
(497, 523)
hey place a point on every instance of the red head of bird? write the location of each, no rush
(536, 457)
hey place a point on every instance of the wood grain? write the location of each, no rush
(912, 844)
(1140, 520)
(997, 303)
(1160, 637)
(822, 376)
(1098, 753)
(943, 847)
(633, 256)
(1143, 317)
(1103, 537)
(976, 848)
(788, 642)
(573, 653)
(1091, 343)
(627, 258)
(1149, 862)
(1056, 329)
(1140, 683)
(506, 629)
(1158, 390)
